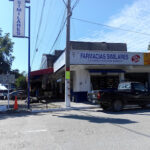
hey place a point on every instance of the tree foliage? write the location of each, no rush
(21, 82)
(6, 50)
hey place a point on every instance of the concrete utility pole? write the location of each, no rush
(67, 68)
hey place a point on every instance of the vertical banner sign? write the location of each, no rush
(68, 75)
(19, 18)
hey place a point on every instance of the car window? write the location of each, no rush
(139, 87)
(123, 86)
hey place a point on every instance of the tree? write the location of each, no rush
(6, 50)
(21, 82)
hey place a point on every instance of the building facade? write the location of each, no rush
(100, 65)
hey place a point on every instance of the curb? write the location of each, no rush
(63, 109)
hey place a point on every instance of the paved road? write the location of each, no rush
(76, 130)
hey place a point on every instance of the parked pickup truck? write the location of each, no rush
(128, 93)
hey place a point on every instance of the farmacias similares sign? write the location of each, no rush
(80, 57)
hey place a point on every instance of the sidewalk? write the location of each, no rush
(44, 107)
(60, 106)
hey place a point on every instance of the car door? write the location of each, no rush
(125, 92)
(139, 93)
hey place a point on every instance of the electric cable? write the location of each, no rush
(60, 31)
(39, 27)
(58, 36)
(45, 27)
(75, 4)
(108, 26)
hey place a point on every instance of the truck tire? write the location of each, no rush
(117, 105)
(143, 105)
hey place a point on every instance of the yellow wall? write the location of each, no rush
(146, 58)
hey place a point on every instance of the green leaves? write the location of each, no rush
(6, 50)
(21, 82)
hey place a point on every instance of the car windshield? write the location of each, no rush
(139, 87)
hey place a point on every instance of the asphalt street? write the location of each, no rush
(90, 129)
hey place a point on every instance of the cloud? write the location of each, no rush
(136, 18)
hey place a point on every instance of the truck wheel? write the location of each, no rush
(143, 105)
(117, 105)
(104, 107)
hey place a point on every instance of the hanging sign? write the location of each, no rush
(7, 78)
(19, 18)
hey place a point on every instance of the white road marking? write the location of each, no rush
(36, 131)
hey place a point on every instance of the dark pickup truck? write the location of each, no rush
(128, 93)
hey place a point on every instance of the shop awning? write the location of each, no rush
(41, 72)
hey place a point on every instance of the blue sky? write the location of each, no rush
(127, 14)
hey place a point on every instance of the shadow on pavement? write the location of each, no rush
(133, 131)
(94, 119)
(17, 114)
(132, 111)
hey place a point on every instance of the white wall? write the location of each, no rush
(81, 81)
(60, 62)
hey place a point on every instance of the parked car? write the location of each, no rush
(130, 93)
(3, 94)
(21, 94)
(3, 91)
(93, 95)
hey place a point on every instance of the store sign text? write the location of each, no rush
(103, 57)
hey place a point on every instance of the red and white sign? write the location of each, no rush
(136, 58)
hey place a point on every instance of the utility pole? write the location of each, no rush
(67, 60)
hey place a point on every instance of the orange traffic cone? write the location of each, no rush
(16, 104)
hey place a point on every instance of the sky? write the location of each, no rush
(131, 15)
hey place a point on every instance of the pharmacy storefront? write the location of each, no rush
(94, 70)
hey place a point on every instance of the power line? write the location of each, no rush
(108, 26)
(64, 3)
(75, 4)
(60, 31)
(54, 26)
(63, 22)
(41, 18)
(35, 21)
(45, 27)
(58, 26)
